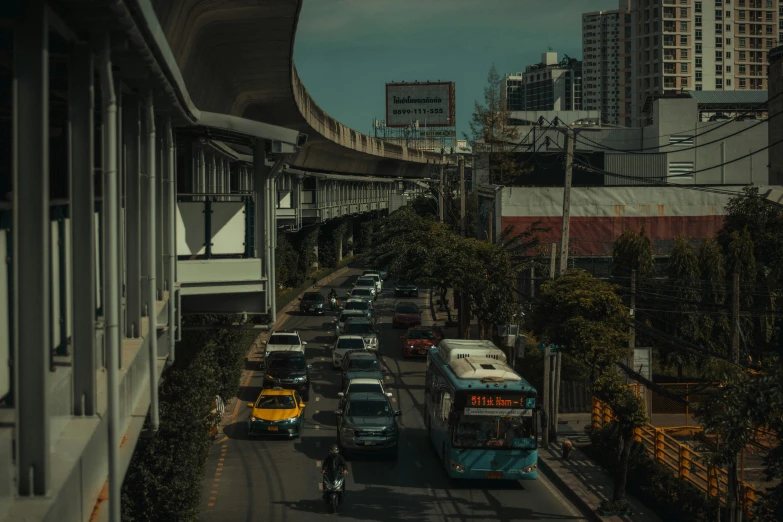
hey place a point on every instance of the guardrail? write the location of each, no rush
(679, 457)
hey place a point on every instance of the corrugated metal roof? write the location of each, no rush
(729, 97)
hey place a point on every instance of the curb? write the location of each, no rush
(578, 500)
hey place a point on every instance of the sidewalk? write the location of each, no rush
(583, 481)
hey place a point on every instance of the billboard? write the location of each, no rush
(431, 104)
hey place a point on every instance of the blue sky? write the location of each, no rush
(346, 50)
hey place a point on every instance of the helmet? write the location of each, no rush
(334, 450)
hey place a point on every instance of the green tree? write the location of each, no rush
(633, 251)
(286, 264)
(683, 288)
(714, 322)
(585, 315)
(491, 133)
(630, 415)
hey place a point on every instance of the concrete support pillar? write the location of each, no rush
(82, 197)
(339, 247)
(349, 235)
(315, 250)
(151, 288)
(131, 130)
(202, 173)
(146, 155)
(32, 345)
(261, 187)
(170, 231)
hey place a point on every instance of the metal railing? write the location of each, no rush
(679, 457)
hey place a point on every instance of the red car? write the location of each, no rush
(417, 341)
(406, 314)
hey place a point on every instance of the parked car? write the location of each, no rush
(362, 385)
(368, 283)
(403, 288)
(312, 302)
(418, 341)
(375, 277)
(343, 345)
(284, 341)
(365, 328)
(276, 412)
(406, 314)
(339, 323)
(368, 423)
(288, 370)
(360, 363)
(359, 304)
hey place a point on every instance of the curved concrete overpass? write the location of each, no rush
(236, 57)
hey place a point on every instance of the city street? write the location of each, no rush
(279, 480)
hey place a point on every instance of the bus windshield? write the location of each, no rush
(474, 431)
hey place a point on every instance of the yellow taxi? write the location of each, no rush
(276, 412)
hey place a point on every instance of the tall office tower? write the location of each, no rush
(549, 85)
(680, 45)
(606, 63)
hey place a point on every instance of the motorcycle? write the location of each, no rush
(333, 303)
(334, 488)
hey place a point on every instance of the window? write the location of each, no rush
(718, 56)
(684, 40)
(684, 81)
(698, 61)
(718, 14)
(683, 13)
(728, 55)
(698, 76)
(697, 7)
(742, 83)
(768, 16)
(742, 55)
(728, 42)
(683, 27)
(698, 35)
(718, 69)
(728, 28)
(698, 21)
(719, 83)
(769, 29)
(683, 54)
(728, 82)
(698, 86)
(683, 67)
(768, 44)
(742, 15)
(698, 48)
(718, 42)
(728, 68)
(718, 28)
(742, 42)
(741, 28)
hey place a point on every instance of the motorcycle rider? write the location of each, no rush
(334, 461)
(333, 298)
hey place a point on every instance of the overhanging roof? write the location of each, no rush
(236, 57)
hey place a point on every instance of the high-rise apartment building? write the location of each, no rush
(546, 86)
(701, 45)
(606, 63)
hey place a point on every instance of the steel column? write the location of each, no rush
(81, 94)
(121, 260)
(31, 247)
(131, 131)
(111, 278)
(260, 189)
(146, 155)
(152, 263)
(171, 227)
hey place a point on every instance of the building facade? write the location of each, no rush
(549, 85)
(605, 39)
(700, 45)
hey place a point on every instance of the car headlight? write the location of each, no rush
(457, 467)
(319, 305)
(253, 419)
(530, 469)
(292, 419)
(269, 377)
(300, 379)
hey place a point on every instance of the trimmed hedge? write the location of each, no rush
(666, 494)
(164, 478)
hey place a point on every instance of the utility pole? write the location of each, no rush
(440, 192)
(569, 168)
(545, 428)
(632, 314)
(732, 483)
(556, 395)
(463, 198)
(552, 261)
(735, 306)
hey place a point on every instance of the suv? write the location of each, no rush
(312, 302)
(375, 276)
(360, 364)
(368, 423)
(362, 386)
(359, 304)
(365, 328)
(288, 370)
(408, 289)
(339, 323)
(284, 341)
(358, 292)
(368, 283)
(343, 345)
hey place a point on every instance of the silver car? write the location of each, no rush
(368, 283)
(345, 344)
(359, 304)
(375, 276)
(339, 323)
(366, 294)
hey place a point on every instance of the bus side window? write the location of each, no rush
(445, 406)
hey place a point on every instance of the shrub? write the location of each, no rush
(669, 496)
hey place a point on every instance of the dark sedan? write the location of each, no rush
(406, 289)
(406, 314)
(312, 302)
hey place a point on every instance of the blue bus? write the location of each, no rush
(480, 413)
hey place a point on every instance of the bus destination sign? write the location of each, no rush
(499, 401)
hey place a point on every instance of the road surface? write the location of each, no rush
(279, 480)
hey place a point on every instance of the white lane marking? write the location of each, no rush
(320, 486)
(317, 399)
(318, 426)
(563, 501)
(317, 463)
(316, 411)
